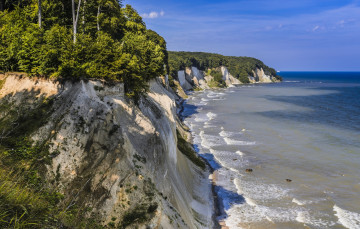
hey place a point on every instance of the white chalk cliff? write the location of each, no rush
(114, 157)
(192, 78)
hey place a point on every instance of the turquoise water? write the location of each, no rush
(306, 129)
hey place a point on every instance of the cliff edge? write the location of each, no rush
(125, 164)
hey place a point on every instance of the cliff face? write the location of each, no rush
(117, 159)
(192, 78)
(260, 76)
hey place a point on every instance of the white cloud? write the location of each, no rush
(316, 28)
(153, 14)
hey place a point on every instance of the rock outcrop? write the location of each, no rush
(193, 78)
(260, 76)
(116, 158)
(228, 78)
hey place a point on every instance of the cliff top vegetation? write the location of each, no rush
(80, 39)
(239, 67)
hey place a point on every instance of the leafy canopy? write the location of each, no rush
(112, 42)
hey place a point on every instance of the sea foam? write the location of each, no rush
(348, 219)
(230, 141)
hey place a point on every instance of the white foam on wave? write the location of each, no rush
(230, 160)
(201, 118)
(305, 202)
(204, 100)
(260, 191)
(243, 214)
(240, 153)
(250, 201)
(230, 141)
(348, 219)
(298, 202)
(312, 219)
(209, 141)
(301, 217)
(211, 115)
(214, 94)
(224, 133)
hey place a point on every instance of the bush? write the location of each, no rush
(188, 151)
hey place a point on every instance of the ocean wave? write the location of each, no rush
(201, 118)
(260, 192)
(228, 134)
(305, 202)
(240, 153)
(254, 213)
(214, 94)
(298, 202)
(348, 219)
(230, 141)
(230, 160)
(211, 115)
(209, 141)
(309, 219)
(202, 103)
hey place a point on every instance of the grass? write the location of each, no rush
(140, 214)
(186, 148)
(22, 205)
(2, 82)
(25, 199)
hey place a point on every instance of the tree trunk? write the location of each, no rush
(39, 3)
(83, 16)
(75, 16)
(97, 17)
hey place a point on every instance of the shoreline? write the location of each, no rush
(218, 207)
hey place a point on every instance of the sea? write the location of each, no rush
(285, 155)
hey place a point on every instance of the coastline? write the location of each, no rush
(218, 206)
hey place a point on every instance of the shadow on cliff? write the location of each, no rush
(187, 110)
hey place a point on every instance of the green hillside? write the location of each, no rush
(239, 67)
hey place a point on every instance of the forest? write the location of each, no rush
(63, 40)
(239, 67)
(77, 39)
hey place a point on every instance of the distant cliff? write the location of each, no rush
(197, 70)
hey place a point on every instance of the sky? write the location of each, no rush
(288, 35)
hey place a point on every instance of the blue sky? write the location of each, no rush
(286, 34)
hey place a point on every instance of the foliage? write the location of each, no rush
(188, 151)
(112, 43)
(141, 213)
(217, 78)
(240, 67)
(22, 206)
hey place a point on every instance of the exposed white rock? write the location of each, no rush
(226, 76)
(261, 77)
(107, 146)
(183, 82)
(198, 76)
